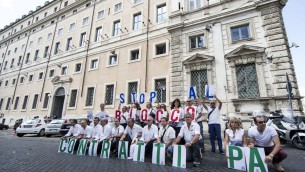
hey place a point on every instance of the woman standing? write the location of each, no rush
(176, 105)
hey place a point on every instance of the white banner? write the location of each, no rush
(63, 145)
(236, 158)
(179, 156)
(105, 153)
(158, 156)
(123, 150)
(93, 148)
(139, 153)
(71, 146)
(255, 158)
(82, 147)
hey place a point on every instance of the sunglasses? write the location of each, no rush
(261, 122)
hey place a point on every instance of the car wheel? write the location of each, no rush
(41, 133)
(20, 135)
(6, 128)
(48, 135)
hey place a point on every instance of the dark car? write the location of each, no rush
(67, 125)
(3, 127)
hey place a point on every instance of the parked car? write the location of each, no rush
(53, 128)
(33, 126)
(66, 126)
(3, 127)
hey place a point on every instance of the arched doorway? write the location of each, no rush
(58, 103)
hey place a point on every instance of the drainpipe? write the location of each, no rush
(147, 41)
(49, 58)
(87, 51)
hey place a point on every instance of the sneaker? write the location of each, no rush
(278, 167)
(221, 152)
(129, 158)
(196, 163)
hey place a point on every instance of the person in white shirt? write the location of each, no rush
(103, 133)
(176, 104)
(74, 132)
(95, 127)
(85, 130)
(190, 131)
(149, 135)
(102, 113)
(214, 123)
(167, 136)
(116, 134)
(124, 115)
(151, 112)
(132, 132)
(267, 138)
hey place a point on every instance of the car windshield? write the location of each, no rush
(57, 122)
(34, 121)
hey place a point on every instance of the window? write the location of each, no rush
(16, 103)
(12, 63)
(132, 88)
(72, 26)
(46, 52)
(78, 67)
(137, 1)
(31, 44)
(113, 59)
(45, 14)
(160, 87)
(94, 64)
(74, 11)
(137, 21)
(100, 14)
(1, 102)
(161, 13)
(90, 94)
(21, 80)
(23, 46)
(51, 73)
(49, 36)
(16, 49)
(246, 77)
(21, 27)
(39, 40)
(35, 100)
(118, 7)
(82, 39)
(88, 4)
(36, 55)
(55, 9)
(60, 31)
(240, 32)
(199, 79)
(52, 22)
(64, 70)
(66, 4)
(160, 49)
(109, 94)
(73, 96)
(27, 59)
(197, 41)
(85, 21)
(8, 103)
(40, 75)
(6, 83)
(195, 4)
(134, 55)
(69, 44)
(63, 16)
(25, 102)
(31, 78)
(13, 82)
(46, 100)
(5, 64)
(57, 50)
(116, 28)
(9, 52)
(98, 34)
(37, 18)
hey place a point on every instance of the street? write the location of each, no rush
(32, 153)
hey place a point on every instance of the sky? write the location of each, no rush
(293, 14)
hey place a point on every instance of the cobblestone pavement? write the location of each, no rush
(32, 153)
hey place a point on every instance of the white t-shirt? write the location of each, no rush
(169, 134)
(214, 117)
(237, 137)
(189, 133)
(262, 139)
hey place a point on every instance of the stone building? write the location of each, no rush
(67, 57)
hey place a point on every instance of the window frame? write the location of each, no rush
(93, 96)
(76, 99)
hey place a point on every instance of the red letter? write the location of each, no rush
(144, 114)
(175, 113)
(159, 112)
(192, 110)
(118, 114)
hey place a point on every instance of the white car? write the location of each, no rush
(53, 128)
(33, 126)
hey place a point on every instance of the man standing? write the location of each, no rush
(103, 134)
(266, 137)
(85, 130)
(193, 140)
(198, 119)
(166, 135)
(102, 113)
(131, 134)
(214, 123)
(116, 134)
(149, 135)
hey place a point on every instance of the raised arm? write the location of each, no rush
(203, 103)
(220, 102)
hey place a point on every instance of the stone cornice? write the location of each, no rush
(244, 50)
(198, 58)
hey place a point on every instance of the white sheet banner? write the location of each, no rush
(93, 148)
(179, 156)
(123, 150)
(63, 145)
(105, 153)
(158, 156)
(82, 147)
(139, 153)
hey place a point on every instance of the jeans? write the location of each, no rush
(279, 157)
(215, 131)
(200, 123)
(192, 152)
